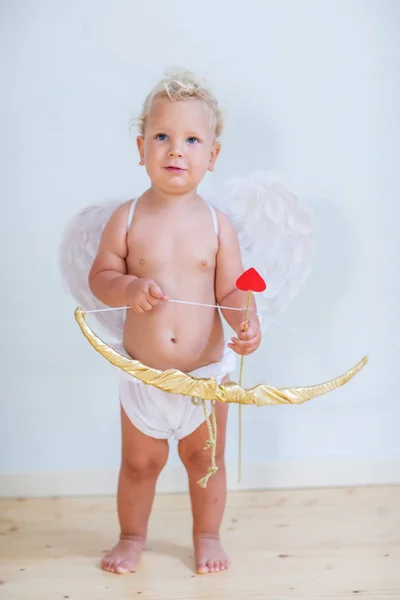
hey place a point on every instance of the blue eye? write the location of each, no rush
(192, 140)
(161, 136)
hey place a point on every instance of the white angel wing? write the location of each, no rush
(276, 233)
(78, 249)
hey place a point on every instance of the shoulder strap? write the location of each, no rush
(130, 215)
(215, 219)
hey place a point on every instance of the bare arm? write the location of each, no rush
(108, 278)
(229, 267)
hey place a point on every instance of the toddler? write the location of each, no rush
(169, 243)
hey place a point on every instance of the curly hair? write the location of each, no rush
(180, 85)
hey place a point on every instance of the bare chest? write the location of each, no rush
(175, 246)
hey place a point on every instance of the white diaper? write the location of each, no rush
(160, 414)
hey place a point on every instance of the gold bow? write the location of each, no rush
(177, 382)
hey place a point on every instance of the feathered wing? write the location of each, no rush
(78, 249)
(277, 235)
(276, 232)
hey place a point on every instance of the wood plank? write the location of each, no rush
(336, 544)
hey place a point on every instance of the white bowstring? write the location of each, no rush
(196, 304)
(169, 300)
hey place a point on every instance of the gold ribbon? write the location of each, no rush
(177, 382)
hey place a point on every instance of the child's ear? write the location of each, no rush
(216, 149)
(140, 145)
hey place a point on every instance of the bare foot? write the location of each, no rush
(209, 555)
(124, 557)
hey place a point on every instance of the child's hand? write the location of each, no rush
(143, 294)
(247, 341)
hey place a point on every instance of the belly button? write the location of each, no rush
(203, 263)
(173, 340)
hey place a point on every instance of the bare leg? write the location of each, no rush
(208, 504)
(143, 458)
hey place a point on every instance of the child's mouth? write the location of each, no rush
(174, 169)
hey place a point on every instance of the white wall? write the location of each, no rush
(309, 88)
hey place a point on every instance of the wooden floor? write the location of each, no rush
(314, 544)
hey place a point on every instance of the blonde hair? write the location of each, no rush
(180, 85)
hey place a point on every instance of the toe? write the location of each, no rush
(105, 563)
(124, 567)
(202, 568)
(211, 566)
(113, 566)
(121, 570)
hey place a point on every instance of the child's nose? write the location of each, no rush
(176, 151)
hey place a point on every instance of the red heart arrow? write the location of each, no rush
(251, 280)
